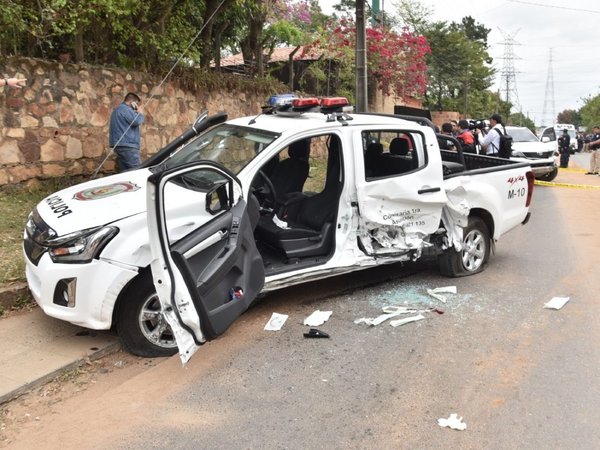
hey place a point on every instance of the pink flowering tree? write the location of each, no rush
(395, 61)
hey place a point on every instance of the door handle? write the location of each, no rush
(213, 239)
(428, 190)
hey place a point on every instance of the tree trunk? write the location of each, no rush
(78, 44)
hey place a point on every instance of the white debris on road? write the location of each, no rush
(389, 312)
(317, 318)
(276, 322)
(435, 293)
(399, 322)
(453, 422)
(557, 302)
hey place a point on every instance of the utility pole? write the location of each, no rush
(362, 104)
(549, 106)
(508, 74)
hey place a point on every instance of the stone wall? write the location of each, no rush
(58, 124)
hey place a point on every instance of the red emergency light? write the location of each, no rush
(334, 102)
(308, 102)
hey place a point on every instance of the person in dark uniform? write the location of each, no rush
(563, 148)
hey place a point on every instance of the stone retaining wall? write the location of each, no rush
(58, 124)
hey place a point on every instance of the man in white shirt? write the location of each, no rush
(490, 143)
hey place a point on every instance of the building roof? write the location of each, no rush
(279, 54)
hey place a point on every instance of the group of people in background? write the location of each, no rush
(474, 139)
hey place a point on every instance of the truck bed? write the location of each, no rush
(474, 163)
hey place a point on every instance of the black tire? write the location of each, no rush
(550, 176)
(141, 326)
(475, 254)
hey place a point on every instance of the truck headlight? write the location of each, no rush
(81, 246)
(518, 154)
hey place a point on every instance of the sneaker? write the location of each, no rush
(591, 173)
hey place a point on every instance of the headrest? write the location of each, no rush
(300, 149)
(399, 146)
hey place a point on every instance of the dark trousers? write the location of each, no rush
(564, 158)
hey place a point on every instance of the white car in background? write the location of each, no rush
(541, 156)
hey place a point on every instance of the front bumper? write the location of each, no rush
(83, 294)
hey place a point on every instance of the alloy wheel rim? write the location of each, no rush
(474, 248)
(153, 324)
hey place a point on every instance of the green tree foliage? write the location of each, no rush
(590, 112)
(520, 120)
(569, 116)
(152, 34)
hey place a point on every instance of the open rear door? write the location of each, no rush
(205, 264)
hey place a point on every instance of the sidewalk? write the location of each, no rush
(35, 348)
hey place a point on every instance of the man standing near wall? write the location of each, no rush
(124, 132)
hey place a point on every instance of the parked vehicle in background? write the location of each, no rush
(551, 134)
(541, 156)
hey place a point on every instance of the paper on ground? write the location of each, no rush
(397, 323)
(435, 293)
(453, 422)
(317, 318)
(390, 311)
(276, 322)
(557, 302)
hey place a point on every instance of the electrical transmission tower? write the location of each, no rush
(508, 79)
(549, 97)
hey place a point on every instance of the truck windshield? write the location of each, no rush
(522, 135)
(228, 145)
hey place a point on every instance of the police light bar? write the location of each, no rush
(308, 102)
(334, 102)
(281, 100)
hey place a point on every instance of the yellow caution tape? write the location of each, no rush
(573, 169)
(567, 185)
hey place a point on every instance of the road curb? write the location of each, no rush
(27, 387)
(14, 293)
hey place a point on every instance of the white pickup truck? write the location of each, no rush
(172, 253)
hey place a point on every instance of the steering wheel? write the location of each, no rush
(271, 194)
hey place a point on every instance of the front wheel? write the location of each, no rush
(550, 175)
(474, 254)
(140, 322)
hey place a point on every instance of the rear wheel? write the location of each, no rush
(140, 322)
(474, 254)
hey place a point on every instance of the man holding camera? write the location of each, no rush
(124, 132)
(490, 142)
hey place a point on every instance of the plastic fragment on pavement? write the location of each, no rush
(276, 322)
(453, 421)
(435, 293)
(389, 312)
(317, 318)
(556, 302)
(399, 322)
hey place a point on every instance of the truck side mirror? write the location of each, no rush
(545, 139)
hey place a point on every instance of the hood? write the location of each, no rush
(531, 147)
(97, 202)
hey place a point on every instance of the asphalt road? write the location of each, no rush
(521, 376)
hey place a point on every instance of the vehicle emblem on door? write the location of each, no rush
(109, 190)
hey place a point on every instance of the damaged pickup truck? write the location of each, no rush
(172, 253)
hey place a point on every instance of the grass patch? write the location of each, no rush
(16, 202)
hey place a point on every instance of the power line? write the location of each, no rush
(555, 6)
